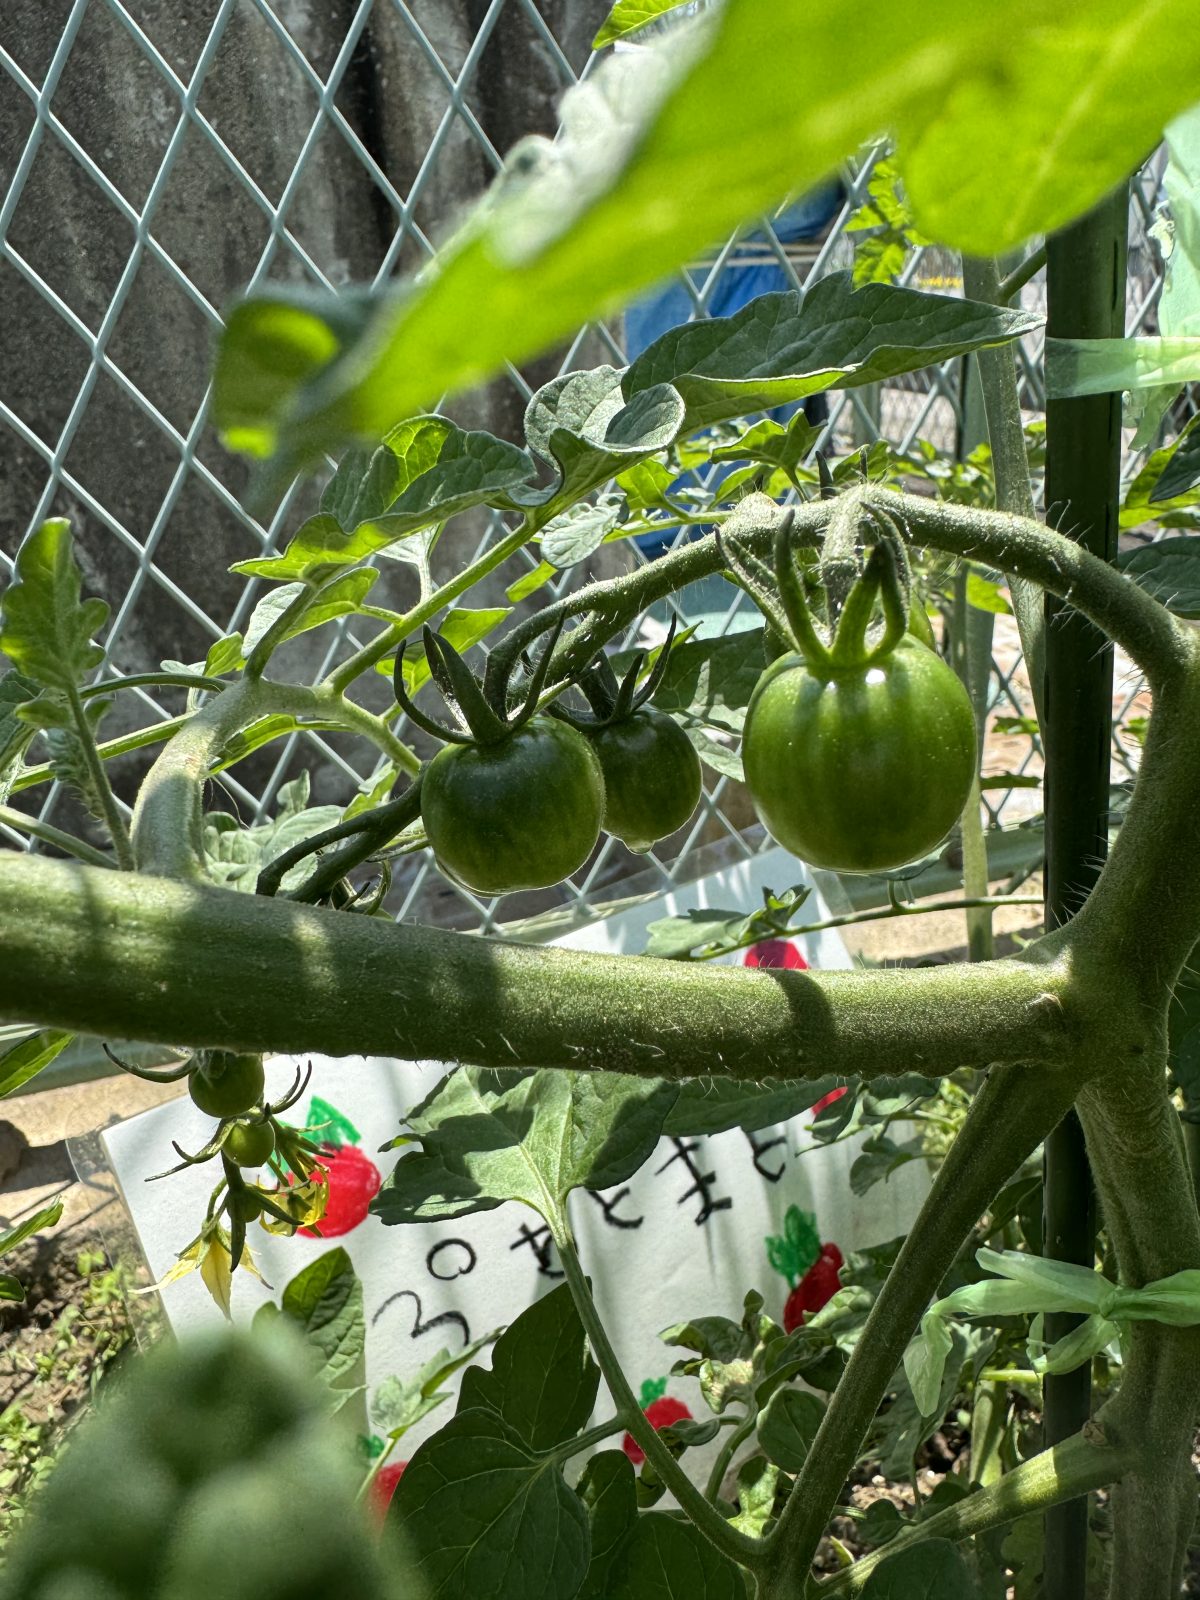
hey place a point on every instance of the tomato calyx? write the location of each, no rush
(855, 585)
(652, 778)
(483, 714)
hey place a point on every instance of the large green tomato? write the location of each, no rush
(521, 814)
(651, 776)
(860, 770)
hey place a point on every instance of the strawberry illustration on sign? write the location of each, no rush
(810, 1267)
(384, 1485)
(661, 1411)
(353, 1178)
(775, 953)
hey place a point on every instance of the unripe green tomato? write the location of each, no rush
(521, 814)
(250, 1144)
(225, 1084)
(864, 769)
(651, 777)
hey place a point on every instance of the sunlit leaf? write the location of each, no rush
(781, 347)
(45, 628)
(488, 1136)
(25, 1060)
(627, 16)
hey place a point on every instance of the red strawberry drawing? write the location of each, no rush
(818, 1286)
(661, 1410)
(828, 1099)
(810, 1267)
(775, 953)
(383, 1486)
(353, 1178)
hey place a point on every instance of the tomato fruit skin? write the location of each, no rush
(651, 777)
(863, 769)
(250, 1144)
(521, 814)
(225, 1084)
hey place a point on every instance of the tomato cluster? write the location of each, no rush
(518, 801)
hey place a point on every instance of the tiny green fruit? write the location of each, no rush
(225, 1084)
(250, 1144)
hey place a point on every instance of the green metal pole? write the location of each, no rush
(1086, 266)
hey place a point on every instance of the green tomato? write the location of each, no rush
(250, 1144)
(521, 814)
(225, 1084)
(860, 770)
(651, 777)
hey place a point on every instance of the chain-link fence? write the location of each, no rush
(152, 163)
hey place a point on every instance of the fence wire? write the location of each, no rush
(134, 229)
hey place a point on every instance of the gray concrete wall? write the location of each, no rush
(124, 113)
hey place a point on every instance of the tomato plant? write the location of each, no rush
(858, 744)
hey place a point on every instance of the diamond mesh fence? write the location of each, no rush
(153, 163)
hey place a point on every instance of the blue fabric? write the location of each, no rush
(736, 285)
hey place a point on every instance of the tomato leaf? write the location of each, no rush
(591, 428)
(662, 1558)
(713, 1105)
(487, 1137)
(542, 1382)
(26, 1059)
(711, 680)
(325, 1301)
(627, 16)
(426, 471)
(45, 628)
(1170, 571)
(342, 598)
(788, 1426)
(45, 1218)
(486, 1517)
(400, 1403)
(15, 733)
(578, 532)
(781, 347)
(607, 1488)
(932, 1570)
(1181, 470)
